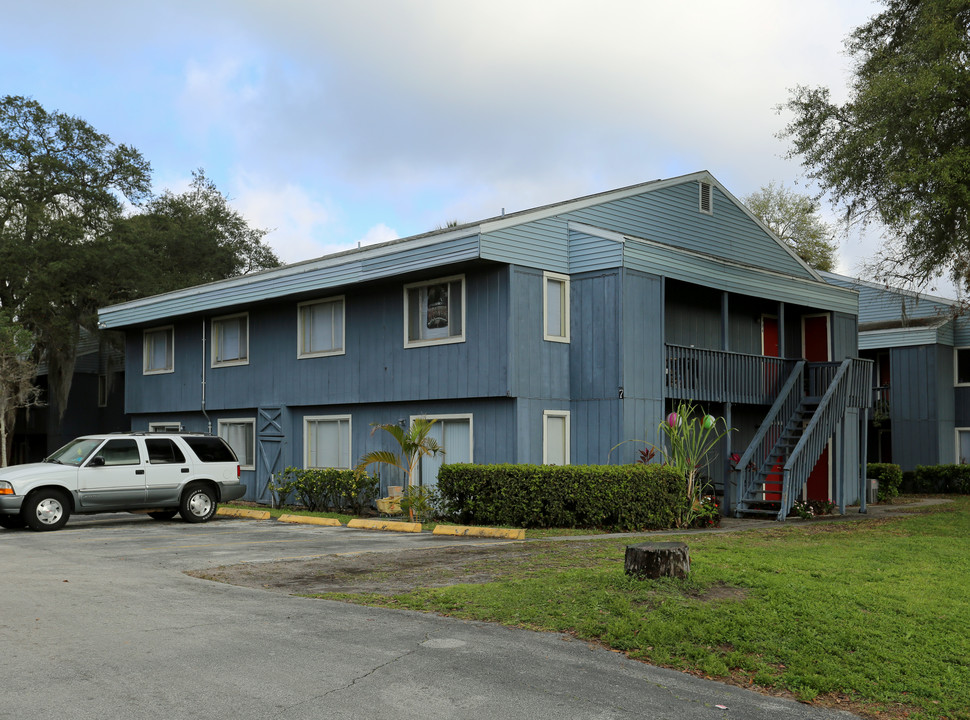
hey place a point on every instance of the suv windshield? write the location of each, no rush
(75, 452)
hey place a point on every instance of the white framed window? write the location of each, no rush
(555, 437)
(963, 446)
(326, 441)
(240, 433)
(705, 198)
(961, 366)
(159, 351)
(555, 307)
(454, 434)
(164, 427)
(434, 312)
(230, 340)
(102, 390)
(321, 327)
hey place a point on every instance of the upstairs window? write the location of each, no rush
(555, 307)
(706, 198)
(159, 351)
(434, 312)
(321, 328)
(230, 340)
(961, 366)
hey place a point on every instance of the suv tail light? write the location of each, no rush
(238, 472)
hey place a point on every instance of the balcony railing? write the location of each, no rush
(718, 376)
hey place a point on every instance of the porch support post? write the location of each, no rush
(781, 330)
(731, 477)
(840, 465)
(725, 327)
(863, 459)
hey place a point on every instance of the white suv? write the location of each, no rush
(158, 473)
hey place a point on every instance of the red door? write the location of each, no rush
(815, 332)
(769, 348)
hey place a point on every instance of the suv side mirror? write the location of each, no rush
(96, 461)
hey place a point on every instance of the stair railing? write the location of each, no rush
(842, 393)
(759, 449)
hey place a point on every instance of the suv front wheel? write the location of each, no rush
(198, 504)
(46, 510)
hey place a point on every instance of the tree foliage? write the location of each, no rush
(190, 238)
(80, 229)
(896, 151)
(62, 187)
(17, 372)
(795, 219)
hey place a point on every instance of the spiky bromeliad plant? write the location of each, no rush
(413, 443)
(688, 442)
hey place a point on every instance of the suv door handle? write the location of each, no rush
(185, 470)
(139, 472)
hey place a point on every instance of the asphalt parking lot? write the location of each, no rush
(99, 621)
(221, 541)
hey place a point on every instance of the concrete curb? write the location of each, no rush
(385, 525)
(466, 531)
(240, 512)
(309, 520)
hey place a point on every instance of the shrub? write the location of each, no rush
(889, 476)
(322, 489)
(624, 497)
(424, 503)
(942, 479)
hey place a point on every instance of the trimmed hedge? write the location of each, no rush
(614, 497)
(323, 489)
(941, 479)
(890, 477)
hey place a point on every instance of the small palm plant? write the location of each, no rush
(413, 443)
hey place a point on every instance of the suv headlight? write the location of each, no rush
(6, 488)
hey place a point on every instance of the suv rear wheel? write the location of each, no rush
(46, 510)
(198, 504)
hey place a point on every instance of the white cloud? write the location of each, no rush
(378, 234)
(297, 222)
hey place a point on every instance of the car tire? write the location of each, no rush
(46, 510)
(163, 514)
(11, 522)
(198, 503)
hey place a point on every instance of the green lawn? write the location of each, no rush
(871, 615)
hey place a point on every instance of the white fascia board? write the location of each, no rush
(595, 231)
(351, 259)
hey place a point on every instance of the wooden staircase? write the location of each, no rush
(810, 407)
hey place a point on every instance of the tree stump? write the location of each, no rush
(657, 559)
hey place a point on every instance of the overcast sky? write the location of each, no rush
(333, 123)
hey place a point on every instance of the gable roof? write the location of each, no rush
(536, 237)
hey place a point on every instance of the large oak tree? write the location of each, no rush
(896, 151)
(79, 229)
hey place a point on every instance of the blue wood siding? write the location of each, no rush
(596, 346)
(672, 216)
(538, 244)
(375, 368)
(588, 252)
(539, 368)
(845, 336)
(922, 407)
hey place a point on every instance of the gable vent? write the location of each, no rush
(706, 200)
